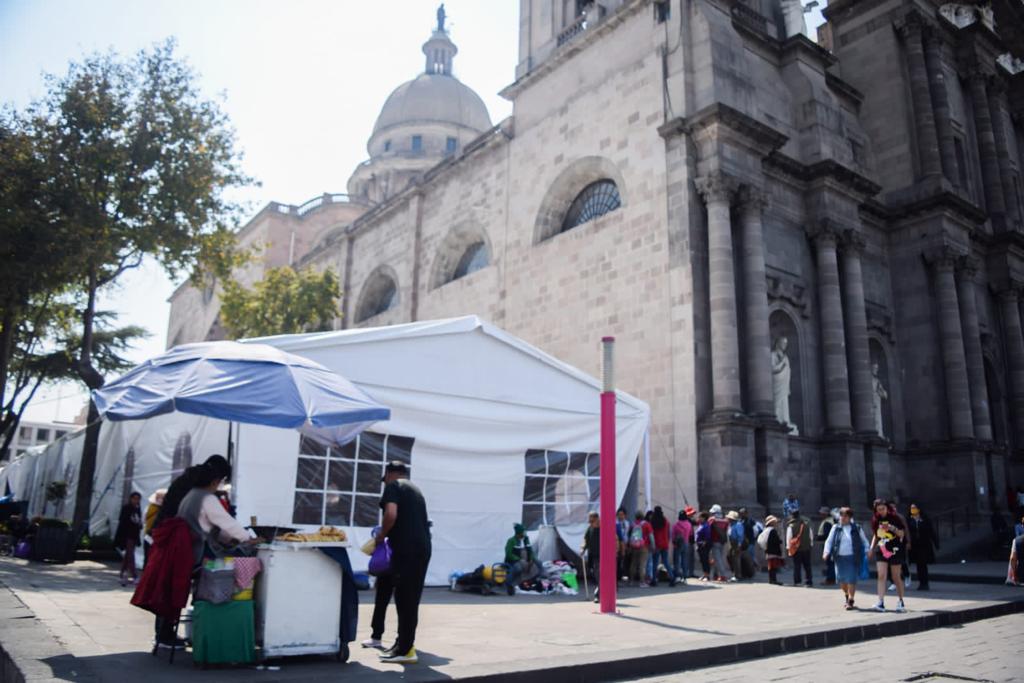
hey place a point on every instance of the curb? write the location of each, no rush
(648, 662)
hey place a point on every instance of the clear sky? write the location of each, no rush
(302, 81)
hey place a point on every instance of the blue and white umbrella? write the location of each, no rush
(252, 383)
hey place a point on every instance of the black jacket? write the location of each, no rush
(923, 540)
(128, 526)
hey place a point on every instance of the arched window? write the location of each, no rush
(473, 259)
(380, 294)
(595, 200)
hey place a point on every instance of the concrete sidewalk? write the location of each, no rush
(100, 637)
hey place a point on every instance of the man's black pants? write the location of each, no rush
(408, 574)
(802, 560)
(385, 588)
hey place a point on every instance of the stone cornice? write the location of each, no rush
(844, 88)
(757, 134)
(825, 169)
(565, 52)
(943, 200)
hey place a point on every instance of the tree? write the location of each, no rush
(137, 164)
(283, 302)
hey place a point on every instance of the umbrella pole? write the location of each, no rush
(231, 445)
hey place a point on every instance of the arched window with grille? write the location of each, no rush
(380, 294)
(473, 259)
(595, 200)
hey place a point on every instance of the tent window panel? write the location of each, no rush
(339, 509)
(570, 514)
(533, 490)
(535, 462)
(533, 516)
(308, 508)
(368, 477)
(593, 464)
(308, 446)
(340, 476)
(578, 463)
(310, 474)
(348, 451)
(367, 512)
(400, 448)
(595, 490)
(371, 447)
(557, 462)
(551, 490)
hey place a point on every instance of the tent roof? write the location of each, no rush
(473, 331)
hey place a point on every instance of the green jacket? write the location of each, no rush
(518, 549)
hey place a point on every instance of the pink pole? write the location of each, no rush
(608, 568)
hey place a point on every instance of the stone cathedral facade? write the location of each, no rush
(811, 253)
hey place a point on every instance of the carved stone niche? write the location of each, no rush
(789, 290)
(962, 16)
(880, 321)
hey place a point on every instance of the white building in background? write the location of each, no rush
(38, 434)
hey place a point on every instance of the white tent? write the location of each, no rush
(495, 431)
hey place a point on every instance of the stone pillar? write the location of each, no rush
(940, 105)
(921, 98)
(972, 348)
(718, 191)
(757, 346)
(1003, 140)
(958, 396)
(833, 336)
(1009, 309)
(855, 315)
(994, 201)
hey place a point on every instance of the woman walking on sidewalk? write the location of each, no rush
(890, 540)
(771, 544)
(845, 546)
(127, 536)
(923, 544)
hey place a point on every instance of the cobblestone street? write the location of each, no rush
(988, 650)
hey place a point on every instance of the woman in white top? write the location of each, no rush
(846, 545)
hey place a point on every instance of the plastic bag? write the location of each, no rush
(380, 560)
(23, 549)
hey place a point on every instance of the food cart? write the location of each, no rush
(302, 606)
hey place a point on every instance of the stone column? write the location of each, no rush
(855, 315)
(1003, 140)
(1009, 308)
(966, 295)
(994, 201)
(757, 348)
(924, 117)
(954, 362)
(940, 105)
(833, 336)
(718, 191)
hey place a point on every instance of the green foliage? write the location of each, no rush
(283, 302)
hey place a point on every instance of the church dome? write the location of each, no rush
(434, 98)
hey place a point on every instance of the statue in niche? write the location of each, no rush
(781, 374)
(793, 16)
(878, 394)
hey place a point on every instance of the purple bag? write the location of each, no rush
(380, 560)
(23, 549)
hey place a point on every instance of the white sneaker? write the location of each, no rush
(900, 607)
(880, 606)
(395, 658)
(373, 642)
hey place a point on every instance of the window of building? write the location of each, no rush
(451, 145)
(473, 259)
(381, 294)
(560, 488)
(42, 435)
(21, 451)
(387, 145)
(417, 143)
(961, 162)
(59, 434)
(595, 200)
(342, 486)
(25, 433)
(662, 11)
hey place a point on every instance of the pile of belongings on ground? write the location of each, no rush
(554, 577)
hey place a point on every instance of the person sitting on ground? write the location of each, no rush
(771, 543)
(592, 549)
(519, 557)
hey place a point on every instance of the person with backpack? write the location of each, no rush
(771, 543)
(720, 545)
(846, 546)
(702, 539)
(682, 538)
(639, 534)
(798, 546)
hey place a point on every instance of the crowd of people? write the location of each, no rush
(727, 547)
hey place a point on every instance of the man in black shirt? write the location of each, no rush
(407, 529)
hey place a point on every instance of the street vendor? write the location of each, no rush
(519, 557)
(212, 527)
